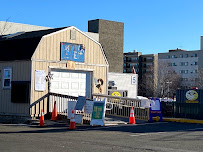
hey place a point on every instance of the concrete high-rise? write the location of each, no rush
(111, 39)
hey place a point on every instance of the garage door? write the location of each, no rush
(74, 83)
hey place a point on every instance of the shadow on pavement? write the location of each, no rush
(136, 128)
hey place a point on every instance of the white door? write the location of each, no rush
(73, 83)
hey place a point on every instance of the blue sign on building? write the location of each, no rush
(72, 52)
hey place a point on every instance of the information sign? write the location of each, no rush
(155, 109)
(40, 80)
(72, 52)
(98, 112)
(89, 107)
(133, 80)
(80, 103)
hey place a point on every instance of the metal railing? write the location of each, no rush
(121, 106)
(47, 104)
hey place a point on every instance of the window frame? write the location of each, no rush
(3, 77)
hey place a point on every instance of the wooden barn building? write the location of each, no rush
(61, 60)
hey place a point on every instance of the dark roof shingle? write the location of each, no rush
(22, 47)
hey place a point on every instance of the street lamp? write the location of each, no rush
(168, 82)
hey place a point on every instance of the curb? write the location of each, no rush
(183, 120)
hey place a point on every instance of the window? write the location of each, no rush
(181, 56)
(186, 63)
(186, 55)
(150, 63)
(20, 91)
(149, 58)
(7, 74)
(173, 64)
(194, 55)
(181, 63)
(168, 56)
(194, 63)
(184, 79)
(173, 56)
(181, 71)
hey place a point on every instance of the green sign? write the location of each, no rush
(98, 110)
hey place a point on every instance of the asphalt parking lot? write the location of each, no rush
(157, 136)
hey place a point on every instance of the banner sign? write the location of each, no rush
(72, 52)
(40, 80)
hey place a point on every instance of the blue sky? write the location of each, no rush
(150, 26)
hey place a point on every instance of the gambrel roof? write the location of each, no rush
(22, 46)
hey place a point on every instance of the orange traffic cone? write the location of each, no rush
(54, 112)
(72, 121)
(42, 118)
(132, 116)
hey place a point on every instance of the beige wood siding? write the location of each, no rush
(47, 55)
(21, 71)
(49, 47)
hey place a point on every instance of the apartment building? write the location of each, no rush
(146, 68)
(132, 59)
(185, 63)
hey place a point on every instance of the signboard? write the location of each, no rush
(155, 109)
(155, 104)
(89, 107)
(80, 103)
(70, 65)
(116, 93)
(192, 96)
(40, 80)
(98, 113)
(133, 80)
(72, 52)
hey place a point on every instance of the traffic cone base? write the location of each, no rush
(132, 116)
(54, 112)
(72, 121)
(42, 118)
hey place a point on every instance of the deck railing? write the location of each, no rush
(47, 104)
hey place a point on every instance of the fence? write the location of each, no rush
(182, 110)
(120, 106)
(47, 104)
(116, 106)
